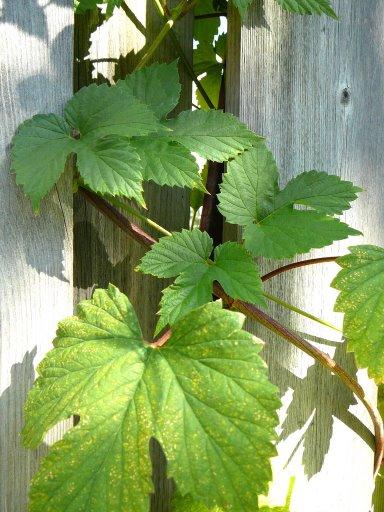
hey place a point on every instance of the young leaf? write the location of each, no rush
(110, 165)
(361, 299)
(39, 152)
(157, 86)
(205, 396)
(233, 267)
(214, 135)
(99, 110)
(177, 253)
(308, 7)
(167, 163)
(272, 226)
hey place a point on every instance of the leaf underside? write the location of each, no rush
(205, 396)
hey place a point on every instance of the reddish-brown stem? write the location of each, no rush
(251, 311)
(118, 218)
(298, 264)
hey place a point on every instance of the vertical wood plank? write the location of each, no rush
(313, 87)
(103, 253)
(35, 252)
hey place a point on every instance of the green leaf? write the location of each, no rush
(204, 58)
(287, 232)
(249, 186)
(308, 7)
(188, 504)
(361, 299)
(242, 6)
(205, 396)
(110, 165)
(214, 135)
(233, 267)
(324, 192)
(237, 273)
(273, 228)
(157, 86)
(177, 253)
(39, 152)
(167, 163)
(99, 110)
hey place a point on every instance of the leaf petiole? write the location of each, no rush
(301, 312)
(138, 215)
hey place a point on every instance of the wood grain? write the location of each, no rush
(35, 252)
(103, 253)
(313, 87)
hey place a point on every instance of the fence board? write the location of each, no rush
(35, 252)
(313, 87)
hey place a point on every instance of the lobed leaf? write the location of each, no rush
(205, 396)
(233, 268)
(273, 228)
(361, 299)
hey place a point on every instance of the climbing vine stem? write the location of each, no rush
(254, 313)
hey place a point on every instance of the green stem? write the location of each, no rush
(301, 312)
(193, 219)
(138, 215)
(175, 15)
(188, 66)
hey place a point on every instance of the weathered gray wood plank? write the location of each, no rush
(102, 252)
(35, 252)
(313, 87)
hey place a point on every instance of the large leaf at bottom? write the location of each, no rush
(205, 396)
(361, 299)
